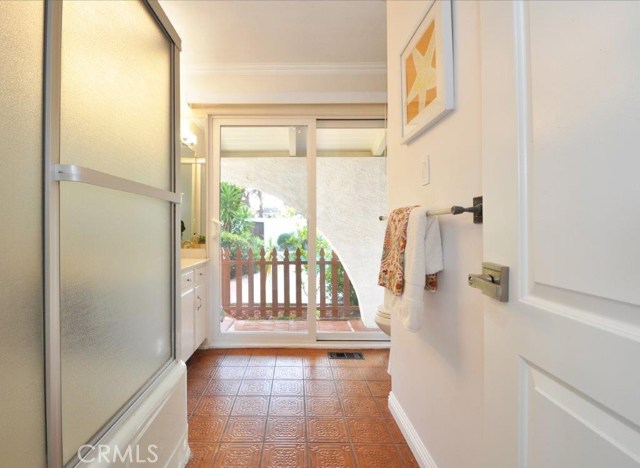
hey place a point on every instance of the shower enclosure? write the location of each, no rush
(88, 277)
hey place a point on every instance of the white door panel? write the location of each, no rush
(561, 117)
(594, 437)
(584, 68)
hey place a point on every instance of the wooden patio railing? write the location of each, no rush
(282, 304)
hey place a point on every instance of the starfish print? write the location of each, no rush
(425, 74)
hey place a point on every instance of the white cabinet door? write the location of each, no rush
(560, 117)
(187, 322)
(200, 314)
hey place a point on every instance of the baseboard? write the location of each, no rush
(420, 452)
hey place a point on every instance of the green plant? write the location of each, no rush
(234, 214)
(328, 275)
(237, 234)
(232, 242)
(293, 241)
(299, 240)
(236, 225)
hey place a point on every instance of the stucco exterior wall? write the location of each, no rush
(351, 194)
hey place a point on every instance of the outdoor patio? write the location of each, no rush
(230, 325)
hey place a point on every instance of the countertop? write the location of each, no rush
(191, 262)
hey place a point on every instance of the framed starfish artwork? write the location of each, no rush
(427, 72)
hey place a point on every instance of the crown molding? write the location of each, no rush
(320, 111)
(315, 68)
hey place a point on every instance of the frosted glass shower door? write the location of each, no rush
(117, 227)
(22, 395)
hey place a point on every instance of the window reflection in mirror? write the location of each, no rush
(192, 183)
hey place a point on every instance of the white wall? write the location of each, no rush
(437, 372)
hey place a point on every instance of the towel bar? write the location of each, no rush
(476, 209)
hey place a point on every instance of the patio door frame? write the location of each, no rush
(258, 338)
(215, 338)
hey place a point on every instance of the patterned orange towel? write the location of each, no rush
(391, 274)
(431, 282)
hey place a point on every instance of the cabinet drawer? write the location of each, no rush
(201, 275)
(187, 280)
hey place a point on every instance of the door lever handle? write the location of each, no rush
(493, 282)
(487, 278)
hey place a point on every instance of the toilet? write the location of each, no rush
(383, 320)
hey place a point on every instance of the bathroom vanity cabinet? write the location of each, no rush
(192, 323)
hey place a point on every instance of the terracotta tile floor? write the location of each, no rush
(285, 408)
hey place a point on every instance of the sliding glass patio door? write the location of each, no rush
(279, 239)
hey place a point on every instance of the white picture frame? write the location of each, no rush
(426, 65)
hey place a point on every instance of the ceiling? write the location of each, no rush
(226, 33)
(281, 51)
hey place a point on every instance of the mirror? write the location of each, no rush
(193, 188)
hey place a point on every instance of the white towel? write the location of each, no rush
(423, 255)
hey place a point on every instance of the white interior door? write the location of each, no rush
(561, 107)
